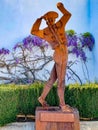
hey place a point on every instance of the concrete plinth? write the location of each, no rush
(54, 119)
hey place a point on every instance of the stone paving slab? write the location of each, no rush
(89, 125)
(19, 126)
(84, 125)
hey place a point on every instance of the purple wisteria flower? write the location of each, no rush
(37, 41)
(16, 46)
(79, 53)
(4, 51)
(83, 56)
(27, 42)
(76, 43)
(17, 61)
(29, 81)
(87, 40)
(72, 40)
(31, 41)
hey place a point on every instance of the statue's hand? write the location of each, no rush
(59, 5)
(39, 18)
(44, 17)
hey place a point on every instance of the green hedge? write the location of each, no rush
(85, 98)
(22, 99)
(8, 104)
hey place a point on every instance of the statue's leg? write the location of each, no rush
(61, 65)
(61, 69)
(48, 86)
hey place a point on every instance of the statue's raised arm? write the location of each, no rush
(35, 28)
(66, 14)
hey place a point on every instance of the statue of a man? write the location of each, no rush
(54, 33)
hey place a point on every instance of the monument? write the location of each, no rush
(55, 118)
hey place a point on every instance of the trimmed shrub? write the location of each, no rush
(8, 104)
(84, 98)
(28, 96)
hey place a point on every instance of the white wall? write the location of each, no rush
(84, 18)
(84, 13)
(94, 30)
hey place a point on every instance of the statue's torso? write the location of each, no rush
(55, 35)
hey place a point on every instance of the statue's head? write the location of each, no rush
(51, 16)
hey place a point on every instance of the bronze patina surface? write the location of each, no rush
(54, 33)
(54, 119)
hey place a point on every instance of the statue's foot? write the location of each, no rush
(43, 102)
(66, 108)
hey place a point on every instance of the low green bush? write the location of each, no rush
(28, 96)
(22, 99)
(84, 98)
(8, 104)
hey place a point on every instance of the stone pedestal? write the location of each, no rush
(54, 119)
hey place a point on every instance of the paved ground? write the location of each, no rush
(84, 125)
(89, 125)
(19, 126)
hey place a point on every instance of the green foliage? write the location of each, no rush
(28, 96)
(8, 104)
(87, 34)
(22, 99)
(70, 32)
(84, 98)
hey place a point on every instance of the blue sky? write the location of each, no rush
(18, 16)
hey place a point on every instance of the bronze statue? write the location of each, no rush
(54, 33)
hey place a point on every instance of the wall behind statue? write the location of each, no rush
(16, 21)
(88, 22)
(84, 19)
(94, 30)
(81, 21)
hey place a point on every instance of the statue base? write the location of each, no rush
(53, 118)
